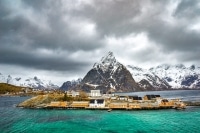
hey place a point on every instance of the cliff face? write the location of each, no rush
(109, 75)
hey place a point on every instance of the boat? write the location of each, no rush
(109, 110)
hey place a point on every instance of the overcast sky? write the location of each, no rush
(60, 40)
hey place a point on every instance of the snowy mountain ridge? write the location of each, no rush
(107, 62)
(34, 82)
(110, 75)
(177, 76)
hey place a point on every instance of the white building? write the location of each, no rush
(97, 103)
(123, 98)
(73, 93)
(95, 93)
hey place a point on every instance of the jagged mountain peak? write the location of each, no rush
(192, 67)
(109, 74)
(163, 66)
(181, 66)
(107, 62)
(109, 58)
(135, 68)
(178, 66)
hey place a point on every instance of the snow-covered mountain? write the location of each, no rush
(34, 82)
(109, 75)
(148, 80)
(176, 76)
(70, 84)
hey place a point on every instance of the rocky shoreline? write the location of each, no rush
(192, 103)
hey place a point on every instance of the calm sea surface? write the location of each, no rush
(15, 120)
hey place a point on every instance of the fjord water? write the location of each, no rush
(14, 119)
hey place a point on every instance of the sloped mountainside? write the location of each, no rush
(167, 77)
(34, 82)
(148, 80)
(179, 76)
(109, 75)
(70, 85)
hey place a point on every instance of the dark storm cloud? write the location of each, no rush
(38, 5)
(178, 37)
(64, 27)
(188, 9)
(112, 17)
(40, 25)
(39, 61)
(174, 38)
(117, 18)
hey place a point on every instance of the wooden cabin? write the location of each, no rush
(73, 93)
(79, 104)
(134, 98)
(134, 106)
(122, 98)
(58, 104)
(118, 105)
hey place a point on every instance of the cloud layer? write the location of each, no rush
(69, 36)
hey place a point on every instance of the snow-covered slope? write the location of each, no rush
(177, 76)
(109, 75)
(34, 82)
(147, 79)
(70, 85)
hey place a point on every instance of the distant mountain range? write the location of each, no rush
(109, 75)
(168, 76)
(34, 82)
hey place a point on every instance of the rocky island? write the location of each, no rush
(96, 100)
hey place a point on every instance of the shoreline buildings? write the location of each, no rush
(96, 100)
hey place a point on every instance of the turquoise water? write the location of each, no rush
(14, 120)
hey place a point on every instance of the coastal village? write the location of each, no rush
(116, 101)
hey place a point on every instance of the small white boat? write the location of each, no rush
(109, 110)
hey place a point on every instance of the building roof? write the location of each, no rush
(150, 97)
(157, 95)
(92, 101)
(122, 96)
(135, 97)
(100, 101)
(95, 91)
(165, 100)
(139, 98)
